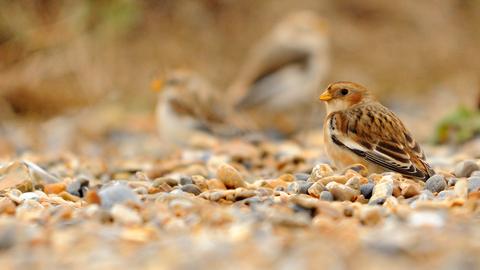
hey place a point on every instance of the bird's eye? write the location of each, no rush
(344, 92)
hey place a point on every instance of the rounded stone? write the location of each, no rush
(366, 190)
(461, 188)
(77, 187)
(444, 193)
(301, 176)
(473, 183)
(200, 181)
(436, 183)
(293, 188)
(465, 168)
(343, 193)
(354, 183)
(382, 189)
(341, 179)
(326, 196)
(215, 184)
(230, 177)
(359, 168)
(316, 189)
(304, 186)
(55, 188)
(191, 188)
(320, 171)
(184, 180)
(29, 196)
(112, 195)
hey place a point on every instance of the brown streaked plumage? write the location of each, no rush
(358, 129)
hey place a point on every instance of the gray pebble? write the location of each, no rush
(444, 193)
(77, 187)
(326, 196)
(185, 180)
(304, 186)
(301, 176)
(366, 190)
(452, 182)
(191, 188)
(475, 173)
(473, 183)
(465, 168)
(379, 200)
(280, 188)
(117, 194)
(426, 195)
(436, 183)
(292, 187)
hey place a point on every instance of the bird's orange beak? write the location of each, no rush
(325, 96)
(157, 84)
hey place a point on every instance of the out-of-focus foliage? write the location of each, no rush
(458, 127)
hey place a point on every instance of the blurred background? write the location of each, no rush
(90, 63)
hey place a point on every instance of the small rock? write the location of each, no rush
(230, 177)
(444, 193)
(354, 183)
(190, 188)
(359, 168)
(292, 188)
(326, 196)
(410, 191)
(465, 168)
(367, 190)
(200, 181)
(382, 189)
(301, 176)
(125, 215)
(343, 193)
(342, 179)
(379, 200)
(452, 182)
(279, 188)
(371, 216)
(286, 177)
(320, 171)
(29, 196)
(78, 186)
(436, 183)
(55, 188)
(215, 184)
(304, 186)
(167, 180)
(184, 180)
(112, 195)
(68, 197)
(473, 183)
(92, 197)
(316, 189)
(461, 188)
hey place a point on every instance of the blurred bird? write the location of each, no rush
(282, 74)
(189, 105)
(358, 129)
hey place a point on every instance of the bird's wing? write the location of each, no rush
(255, 81)
(377, 135)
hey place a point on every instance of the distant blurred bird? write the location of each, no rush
(282, 74)
(188, 104)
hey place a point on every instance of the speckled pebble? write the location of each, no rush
(436, 183)
(465, 168)
(354, 183)
(320, 171)
(316, 189)
(343, 193)
(382, 189)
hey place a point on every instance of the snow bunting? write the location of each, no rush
(358, 129)
(188, 105)
(281, 76)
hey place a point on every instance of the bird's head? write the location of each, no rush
(343, 95)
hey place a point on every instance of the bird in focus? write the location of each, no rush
(282, 74)
(189, 105)
(358, 129)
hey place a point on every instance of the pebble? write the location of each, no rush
(200, 181)
(316, 189)
(343, 193)
(125, 215)
(342, 179)
(326, 196)
(436, 183)
(379, 200)
(473, 183)
(184, 180)
(371, 216)
(69, 197)
(461, 188)
(109, 196)
(293, 188)
(410, 191)
(465, 168)
(358, 168)
(29, 196)
(78, 187)
(320, 171)
(191, 188)
(55, 188)
(444, 194)
(367, 190)
(215, 184)
(354, 183)
(303, 187)
(382, 189)
(230, 177)
(302, 176)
